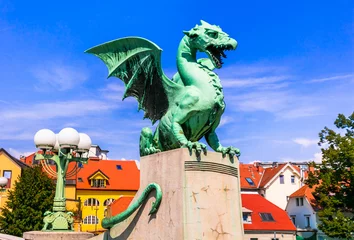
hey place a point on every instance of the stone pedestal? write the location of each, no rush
(42, 235)
(201, 199)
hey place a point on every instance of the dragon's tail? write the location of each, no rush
(110, 222)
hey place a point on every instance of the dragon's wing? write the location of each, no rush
(136, 61)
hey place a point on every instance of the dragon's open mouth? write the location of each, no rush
(216, 52)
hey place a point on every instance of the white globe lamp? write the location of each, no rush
(44, 139)
(68, 138)
(56, 146)
(3, 181)
(85, 143)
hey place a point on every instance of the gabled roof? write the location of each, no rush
(122, 175)
(253, 173)
(306, 191)
(259, 204)
(94, 174)
(15, 160)
(270, 173)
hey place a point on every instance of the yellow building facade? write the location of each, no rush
(101, 182)
(97, 184)
(94, 206)
(11, 168)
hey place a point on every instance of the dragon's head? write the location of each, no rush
(211, 40)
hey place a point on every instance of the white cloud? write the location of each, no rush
(59, 76)
(269, 101)
(225, 120)
(301, 111)
(317, 157)
(18, 153)
(340, 77)
(252, 81)
(305, 142)
(57, 109)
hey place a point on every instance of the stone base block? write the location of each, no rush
(200, 199)
(42, 235)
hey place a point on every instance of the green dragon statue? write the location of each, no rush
(190, 105)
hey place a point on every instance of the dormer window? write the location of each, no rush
(98, 179)
(99, 183)
(246, 215)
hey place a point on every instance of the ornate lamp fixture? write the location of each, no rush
(63, 148)
(3, 183)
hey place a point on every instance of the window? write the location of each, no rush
(292, 179)
(266, 217)
(91, 202)
(8, 174)
(91, 220)
(281, 177)
(293, 219)
(307, 217)
(108, 201)
(119, 167)
(100, 183)
(80, 179)
(246, 216)
(253, 238)
(299, 202)
(250, 182)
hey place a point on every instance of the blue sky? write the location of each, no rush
(290, 76)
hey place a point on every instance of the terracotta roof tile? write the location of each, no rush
(251, 172)
(123, 175)
(270, 172)
(305, 191)
(120, 205)
(259, 204)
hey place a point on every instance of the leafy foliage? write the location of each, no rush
(334, 179)
(32, 195)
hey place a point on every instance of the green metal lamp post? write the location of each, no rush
(63, 148)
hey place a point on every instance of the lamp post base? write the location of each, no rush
(54, 221)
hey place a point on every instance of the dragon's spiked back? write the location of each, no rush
(136, 61)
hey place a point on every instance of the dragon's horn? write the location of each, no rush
(187, 33)
(205, 24)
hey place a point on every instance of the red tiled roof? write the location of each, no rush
(120, 205)
(270, 172)
(128, 178)
(259, 204)
(28, 159)
(252, 172)
(305, 191)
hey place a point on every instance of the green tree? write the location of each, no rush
(334, 179)
(32, 195)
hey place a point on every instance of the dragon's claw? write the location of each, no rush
(152, 150)
(231, 151)
(199, 147)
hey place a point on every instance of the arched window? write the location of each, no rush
(91, 220)
(91, 202)
(108, 201)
